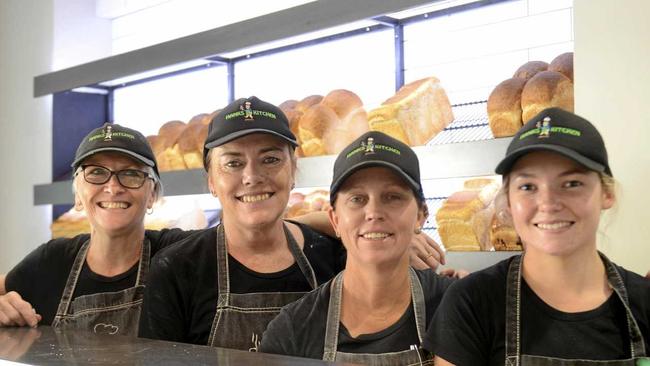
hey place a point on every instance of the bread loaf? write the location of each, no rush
(415, 114)
(455, 221)
(544, 90)
(190, 144)
(313, 125)
(504, 107)
(503, 236)
(170, 157)
(530, 69)
(563, 64)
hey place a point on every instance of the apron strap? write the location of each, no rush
(419, 305)
(145, 258)
(637, 343)
(71, 284)
(301, 259)
(513, 311)
(333, 319)
(223, 273)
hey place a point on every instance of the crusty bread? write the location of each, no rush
(202, 118)
(170, 157)
(455, 221)
(313, 125)
(504, 107)
(503, 237)
(342, 102)
(530, 69)
(189, 142)
(544, 90)
(306, 102)
(563, 64)
(415, 114)
(352, 123)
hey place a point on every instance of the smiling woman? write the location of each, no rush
(565, 302)
(375, 311)
(95, 282)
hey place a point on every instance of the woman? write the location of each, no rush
(565, 303)
(95, 282)
(375, 311)
(223, 286)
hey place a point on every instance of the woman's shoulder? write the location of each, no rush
(311, 308)
(189, 248)
(490, 281)
(638, 287)
(67, 247)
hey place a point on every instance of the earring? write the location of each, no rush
(417, 231)
(337, 234)
(149, 210)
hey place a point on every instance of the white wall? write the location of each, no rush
(25, 133)
(612, 90)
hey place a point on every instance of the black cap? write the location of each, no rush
(113, 137)
(245, 116)
(563, 132)
(377, 149)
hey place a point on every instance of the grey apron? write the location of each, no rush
(241, 319)
(513, 325)
(105, 313)
(413, 356)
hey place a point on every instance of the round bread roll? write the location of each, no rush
(307, 102)
(170, 132)
(171, 158)
(530, 69)
(200, 119)
(288, 104)
(313, 125)
(546, 89)
(564, 64)
(504, 107)
(342, 102)
(156, 144)
(189, 142)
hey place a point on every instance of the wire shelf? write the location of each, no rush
(470, 124)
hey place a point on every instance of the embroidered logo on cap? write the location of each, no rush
(369, 147)
(108, 133)
(544, 129)
(248, 112)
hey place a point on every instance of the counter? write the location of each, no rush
(45, 346)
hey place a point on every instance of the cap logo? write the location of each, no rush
(370, 147)
(108, 133)
(248, 112)
(544, 130)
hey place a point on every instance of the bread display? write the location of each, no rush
(301, 204)
(563, 64)
(530, 69)
(467, 219)
(190, 144)
(170, 157)
(166, 213)
(535, 86)
(544, 90)
(415, 114)
(325, 125)
(504, 107)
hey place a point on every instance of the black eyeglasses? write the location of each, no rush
(128, 178)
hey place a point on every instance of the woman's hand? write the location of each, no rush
(454, 273)
(426, 253)
(14, 311)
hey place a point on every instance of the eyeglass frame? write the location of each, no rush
(114, 173)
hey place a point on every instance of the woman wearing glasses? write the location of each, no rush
(95, 282)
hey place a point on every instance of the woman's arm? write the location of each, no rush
(441, 362)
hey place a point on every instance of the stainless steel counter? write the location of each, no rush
(44, 346)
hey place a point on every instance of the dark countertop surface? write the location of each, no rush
(45, 346)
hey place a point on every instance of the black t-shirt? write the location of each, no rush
(181, 299)
(41, 276)
(288, 334)
(469, 327)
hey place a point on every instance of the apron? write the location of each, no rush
(413, 356)
(513, 325)
(241, 319)
(107, 312)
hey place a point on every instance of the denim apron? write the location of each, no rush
(513, 325)
(413, 356)
(104, 313)
(241, 319)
